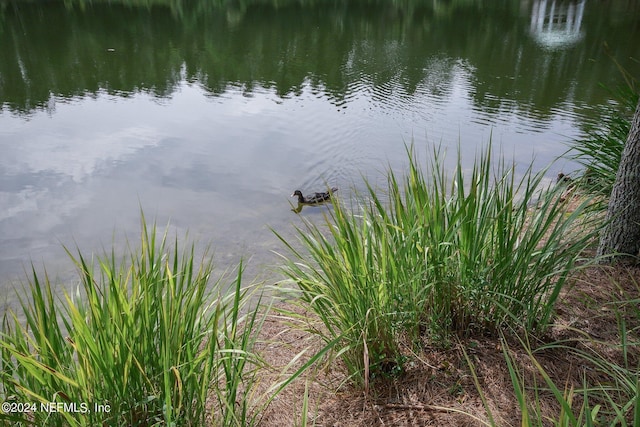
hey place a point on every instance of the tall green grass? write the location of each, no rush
(599, 152)
(150, 338)
(433, 258)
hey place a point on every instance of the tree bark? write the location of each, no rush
(620, 238)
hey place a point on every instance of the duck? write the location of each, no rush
(568, 183)
(314, 199)
(562, 178)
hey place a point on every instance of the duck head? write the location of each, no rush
(300, 196)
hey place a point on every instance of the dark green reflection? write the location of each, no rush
(81, 47)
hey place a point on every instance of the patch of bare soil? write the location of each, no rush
(455, 386)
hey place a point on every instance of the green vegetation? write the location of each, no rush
(427, 262)
(143, 338)
(439, 258)
(600, 151)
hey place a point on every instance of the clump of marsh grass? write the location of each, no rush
(434, 258)
(599, 152)
(146, 338)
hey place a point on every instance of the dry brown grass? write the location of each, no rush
(438, 387)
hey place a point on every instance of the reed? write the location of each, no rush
(148, 337)
(599, 152)
(433, 258)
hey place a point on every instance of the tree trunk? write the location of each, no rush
(621, 235)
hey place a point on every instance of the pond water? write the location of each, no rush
(207, 115)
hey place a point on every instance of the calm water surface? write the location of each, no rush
(209, 116)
